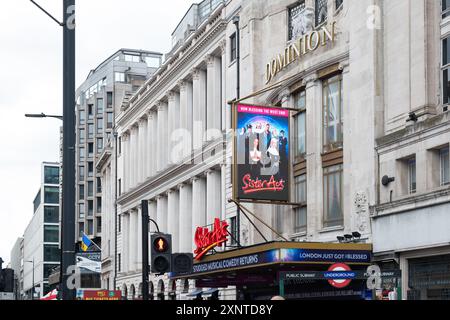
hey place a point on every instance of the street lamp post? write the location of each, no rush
(42, 115)
(68, 188)
(68, 166)
(32, 279)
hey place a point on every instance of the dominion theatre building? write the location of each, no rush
(327, 90)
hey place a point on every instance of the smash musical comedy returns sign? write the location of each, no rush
(262, 153)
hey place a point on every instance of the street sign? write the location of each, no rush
(345, 275)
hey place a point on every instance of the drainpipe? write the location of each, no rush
(236, 20)
(115, 207)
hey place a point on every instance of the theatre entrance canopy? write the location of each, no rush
(260, 266)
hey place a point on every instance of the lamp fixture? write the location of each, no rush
(386, 180)
(412, 117)
(356, 235)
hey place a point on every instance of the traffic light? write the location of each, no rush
(182, 263)
(161, 253)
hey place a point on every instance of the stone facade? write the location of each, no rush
(359, 91)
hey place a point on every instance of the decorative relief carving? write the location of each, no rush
(362, 211)
(302, 23)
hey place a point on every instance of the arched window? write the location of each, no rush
(152, 291)
(124, 292)
(161, 290)
(132, 292)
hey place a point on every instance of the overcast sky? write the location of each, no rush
(31, 82)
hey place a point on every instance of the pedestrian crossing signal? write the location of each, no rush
(161, 253)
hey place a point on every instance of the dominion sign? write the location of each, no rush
(307, 43)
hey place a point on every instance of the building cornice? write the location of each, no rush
(426, 200)
(170, 71)
(436, 125)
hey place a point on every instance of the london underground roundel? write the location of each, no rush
(339, 283)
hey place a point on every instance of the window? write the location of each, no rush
(119, 224)
(99, 185)
(321, 11)
(90, 208)
(233, 231)
(119, 187)
(90, 111)
(90, 230)
(51, 253)
(445, 166)
(90, 189)
(82, 154)
(81, 229)
(233, 47)
(51, 175)
(48, 269)
(109, 120)
(109, 99)
(99, 225)
(81, 173)
(412, 182)
(332, 196)
(332, 114)
(82, 117)
(120, 145)
(51, 214)
(99, 205)
(300, 124)
(90, 169)
(445, 70)
(119, 77)
(51, 234)
(338, 4)
(300, 197)
(51, 195)
(119, 262)
(81, 192)
(90, 150)
(100, 106)
(294, 17)
(90, 131)
(99, 145)
(82, 211)
(82, 135)
(445, 8)
(132, 58)
(99, 126)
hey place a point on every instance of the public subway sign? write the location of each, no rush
(206, 240)
(262, 153)
(309, 42)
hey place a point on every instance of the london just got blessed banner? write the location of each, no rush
(262, 153)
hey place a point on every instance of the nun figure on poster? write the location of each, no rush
(274, 156)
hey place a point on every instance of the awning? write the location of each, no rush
(279, 254)
(52, 295)
(194, 293)
(208, 293)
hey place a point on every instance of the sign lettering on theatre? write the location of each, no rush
(307, 43)
(285, 256)
(206, 240)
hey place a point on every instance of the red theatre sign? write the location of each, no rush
(206, 240)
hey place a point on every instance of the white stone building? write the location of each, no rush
(351, 90)
(41, 253)
(410, 217)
